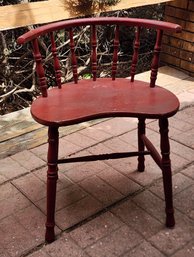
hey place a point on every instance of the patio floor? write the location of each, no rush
(104, 208)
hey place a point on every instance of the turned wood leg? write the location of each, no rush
(166, 171)
(141, 147)
(52, 176)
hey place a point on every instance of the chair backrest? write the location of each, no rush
(70, 25)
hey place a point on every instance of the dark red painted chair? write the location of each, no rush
(68, 104)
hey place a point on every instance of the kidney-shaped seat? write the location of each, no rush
(103, 98)
(86, 99)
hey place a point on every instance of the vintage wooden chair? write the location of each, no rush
(87, 99)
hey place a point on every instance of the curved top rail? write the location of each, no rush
(146, 23)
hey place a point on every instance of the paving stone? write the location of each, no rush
(177, 149)
(15, 239)
(2, 179)
(115, 244)
(186, 115)
(28, 160)
(41, 151)
(64, 247)
(80, 140)
(95, 133)
(175, 126)
(22, 224)
(3, 252)
(7, 191)
(62, 181)
(180, 182)
(154, 136)
(181, 125)
(84, 171)
(186, 138)
(117, 145)
(11, 169)
(130, 138)
(95, 229)
(182, 151)
(178, 162)
(169, 241)
(64, 197)
(152, 204)
(67, 148)
(101, 190)
(137, 218)
(180, 155)
(101, 149)
(13, 202)
(189, 171)
(188, 251)
(117, 126)
(121, 183)
(174, 131)
(33, 220)
(77, 212)
(39, 253)
(128, 167)
(131, 161)
(31, 186)
(184, 201)
(67, 166)
(145, 249)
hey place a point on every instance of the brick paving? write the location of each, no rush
(104, 208)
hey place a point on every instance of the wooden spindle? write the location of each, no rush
(39, 68)
(57, 66)
(94, 52)
(73, 56)
(135, 53)
(115, 53)
(155, 61)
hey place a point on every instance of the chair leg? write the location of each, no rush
(52, 176)
(141, 147)
(166, 171)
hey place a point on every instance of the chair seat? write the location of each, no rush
(90, 99)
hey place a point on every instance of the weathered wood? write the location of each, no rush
(25, 14)
(20, 132)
